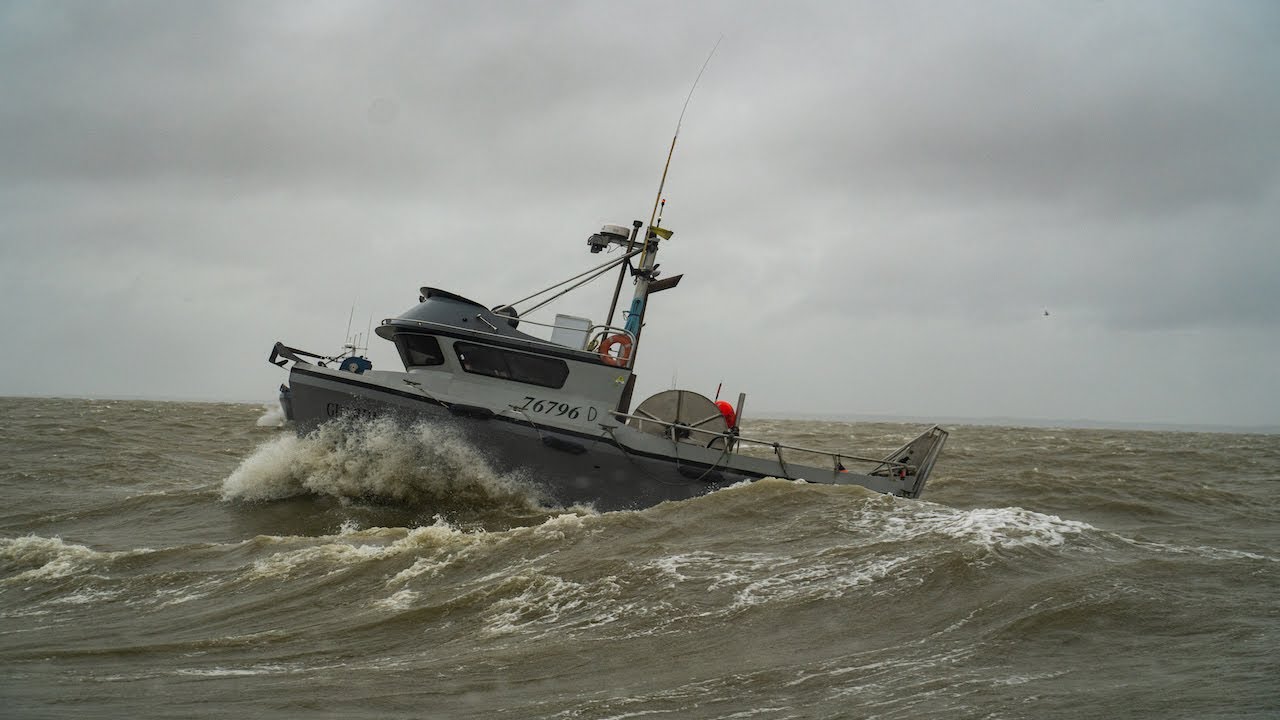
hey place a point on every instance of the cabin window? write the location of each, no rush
(419, 350)
(508, 365)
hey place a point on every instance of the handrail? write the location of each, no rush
(606, 329)
(292, 354)
(836, 456)
(523, 320)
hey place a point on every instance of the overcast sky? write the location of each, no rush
(874, 203)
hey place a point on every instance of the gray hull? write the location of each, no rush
(617, 467)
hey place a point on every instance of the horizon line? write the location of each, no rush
(774, 414)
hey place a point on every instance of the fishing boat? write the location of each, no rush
(553, 400)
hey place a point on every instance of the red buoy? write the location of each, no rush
(730, 417)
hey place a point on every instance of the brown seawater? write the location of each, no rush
(183, 560)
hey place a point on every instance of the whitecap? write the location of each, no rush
(272, 416)
(50, 558)
(988, 528)
(402, 600)
(378, 458)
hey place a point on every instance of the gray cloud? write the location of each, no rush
(874, 202)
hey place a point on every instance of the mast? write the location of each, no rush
(644, 277)
(622, 270)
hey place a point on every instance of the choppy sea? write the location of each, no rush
(198, 560)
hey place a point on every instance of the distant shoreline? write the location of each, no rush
(945, 420)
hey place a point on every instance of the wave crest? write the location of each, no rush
(986, 528)
(45, 558)
(425, 464)
(272, 416)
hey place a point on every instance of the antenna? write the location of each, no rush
(638, 304)
(662, 183)
(350, 317)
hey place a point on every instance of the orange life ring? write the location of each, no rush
(623, 355)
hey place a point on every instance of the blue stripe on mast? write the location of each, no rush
(633, 316)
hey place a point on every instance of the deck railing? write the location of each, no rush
(733, 440)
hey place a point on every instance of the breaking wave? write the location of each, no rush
(43, 558)
(377, 459)
(272, 416)
(985, 528)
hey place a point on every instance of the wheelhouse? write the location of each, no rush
(450, 342)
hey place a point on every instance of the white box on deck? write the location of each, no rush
(571, 331)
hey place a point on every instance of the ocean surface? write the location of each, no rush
(199, 561)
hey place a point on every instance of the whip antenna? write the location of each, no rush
(672, 151)
(635, 318)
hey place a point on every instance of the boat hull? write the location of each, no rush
(567, 469)
(619, 468)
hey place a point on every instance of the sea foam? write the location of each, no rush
(987, 528)
(378, 459)
(272, 416)
(47, 558)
